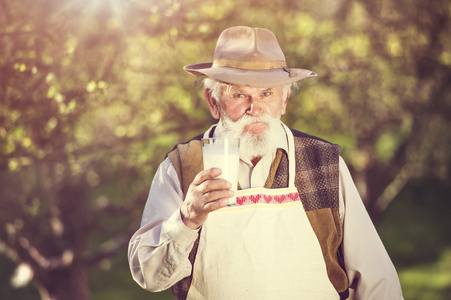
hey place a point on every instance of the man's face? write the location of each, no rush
(237, 101)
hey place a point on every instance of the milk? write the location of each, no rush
(224, 155)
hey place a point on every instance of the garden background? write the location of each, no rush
(93, 95)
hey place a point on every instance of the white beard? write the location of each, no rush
(252, 145)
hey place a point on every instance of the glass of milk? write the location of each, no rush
(223, 153)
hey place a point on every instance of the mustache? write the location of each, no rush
(248, 119)
(238, 126)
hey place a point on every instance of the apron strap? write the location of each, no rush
(291, 156)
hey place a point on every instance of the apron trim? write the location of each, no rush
(256, 205)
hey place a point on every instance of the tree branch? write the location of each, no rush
(394, 188)
(109, 249)
(64, 260)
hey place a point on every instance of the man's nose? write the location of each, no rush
(254, 108)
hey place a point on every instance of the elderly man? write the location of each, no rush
(302, 233)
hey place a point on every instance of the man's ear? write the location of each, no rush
(212, 103)
(285, 102)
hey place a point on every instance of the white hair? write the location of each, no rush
(215, 87)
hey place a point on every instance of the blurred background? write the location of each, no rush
(93, 95)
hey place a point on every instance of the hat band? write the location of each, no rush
(249, 65)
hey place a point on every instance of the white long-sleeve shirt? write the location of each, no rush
(158, 251)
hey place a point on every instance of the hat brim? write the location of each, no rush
(252, 78)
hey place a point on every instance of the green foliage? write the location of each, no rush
(110, 281)
(93, 95)
(415, 231)
(428, 281)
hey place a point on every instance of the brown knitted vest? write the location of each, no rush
(317, 181)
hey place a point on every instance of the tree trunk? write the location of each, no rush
(65, 284)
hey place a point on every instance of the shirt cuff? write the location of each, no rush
(177, 231)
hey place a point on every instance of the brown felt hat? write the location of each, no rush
(251, 57)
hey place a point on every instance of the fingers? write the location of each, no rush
(209, 188)
(213, 189)
(210, 198)
(212, 185)
(206, 174)
(217, 204)
(205, 194)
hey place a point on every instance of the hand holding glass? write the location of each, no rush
(223, 153)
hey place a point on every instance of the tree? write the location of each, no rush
(59, 151)
(383, 92)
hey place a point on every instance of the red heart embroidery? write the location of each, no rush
(240, 200)
(267, 198)
(279, 199)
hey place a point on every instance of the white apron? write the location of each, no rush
(262, 248)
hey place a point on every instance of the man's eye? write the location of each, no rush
(267, 94)
(238, 96)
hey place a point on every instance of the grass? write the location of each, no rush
(430, 281)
